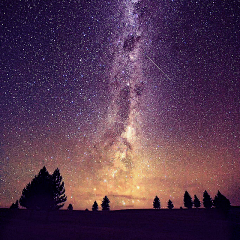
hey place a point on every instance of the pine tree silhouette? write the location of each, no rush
(170, 204)
(70, 207)
(221, 202)
(196, 202)
(156, 203)
(95, 206)
(105, 204)
(45, 192)
(187, 200)
(58, 189)
(207, 201)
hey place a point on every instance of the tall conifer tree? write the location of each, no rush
(95, 206)
(44, 192)
(221, 202)
(170, 204)
(196, 202)
(207, 201)
(156, 203)
(187, 200)
(105, 204)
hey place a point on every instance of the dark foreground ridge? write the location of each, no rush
(123, 224)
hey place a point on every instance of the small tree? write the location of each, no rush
(187, 200)
(45, 192)
(221, 202)
(95, 206)
(14, 205)
(196, 202)
(207, 201)
(105, 204)
(170, 204)
(156, 203)
(70, 207)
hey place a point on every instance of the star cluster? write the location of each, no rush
(129, 99)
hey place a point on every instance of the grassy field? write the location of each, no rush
(124, 224)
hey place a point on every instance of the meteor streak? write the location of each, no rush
(158, 67)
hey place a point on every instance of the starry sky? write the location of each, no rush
(129, 99)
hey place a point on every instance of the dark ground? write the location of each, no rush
(125, 224)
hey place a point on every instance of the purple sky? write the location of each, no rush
(129, 99)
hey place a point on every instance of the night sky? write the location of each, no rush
(129, 99)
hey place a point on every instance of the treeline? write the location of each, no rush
(219, 202)
(47, 192)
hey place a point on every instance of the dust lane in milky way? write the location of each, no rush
(122, 136)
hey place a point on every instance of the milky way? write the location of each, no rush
(129, 99)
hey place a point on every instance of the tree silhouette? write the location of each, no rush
(221, 202)
(105, 204)
(196, 202)
(70, 207)
(95, 206)
(187, 200)
(170, 204)
(207, 201)
(45, 192)
(58, 189)
(156, 203)
(14, 205)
